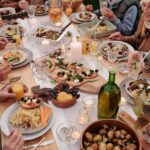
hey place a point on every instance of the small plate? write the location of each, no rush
(93, 16)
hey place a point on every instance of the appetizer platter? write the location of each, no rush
(135, 87)
(122, 49)
(14, 57)
(40, 10)
(73, 73)
(85, 16)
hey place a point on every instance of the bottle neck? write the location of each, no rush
(111, 78)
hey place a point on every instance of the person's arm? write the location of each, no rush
(127, 24)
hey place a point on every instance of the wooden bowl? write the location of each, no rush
(76, 4)
(66, 104)
(94, 127)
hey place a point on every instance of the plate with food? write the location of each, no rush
(85, 16)
(37, 120)
(40, 10)
(121, 47)
(9, 31)
(7, 11)
(135, 87)
(14, 57)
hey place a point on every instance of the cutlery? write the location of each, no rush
(37, 145)
(42, 144)
(102, 18)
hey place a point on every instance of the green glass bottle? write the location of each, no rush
(108, 98)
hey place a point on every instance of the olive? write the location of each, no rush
(102, 146)
(117, 134)
(123, 132)
(116, 148)
(95, 146)
(128, 136)
(89, 148)
(89, 136)
(131, 147)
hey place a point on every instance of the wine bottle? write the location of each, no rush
(108, 98)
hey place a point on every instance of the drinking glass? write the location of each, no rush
(31, 11)
(55, 11)
(103, 4)
(112, 56)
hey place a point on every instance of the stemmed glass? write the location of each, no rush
(112, 57)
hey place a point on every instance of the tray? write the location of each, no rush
(112, 27)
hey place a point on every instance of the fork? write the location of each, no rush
(38, 144)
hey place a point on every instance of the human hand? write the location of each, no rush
(23, 4)
(89, 8)
(108, 13)
(5, 69)
(117, 36)
(3, 43)
(6, 93)
(134, 57)
(14, 141)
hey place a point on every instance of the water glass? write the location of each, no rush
(112, 56)
(31, 11)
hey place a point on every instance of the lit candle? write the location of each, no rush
(88, 102)
(45, 45)
(123, 101)
(76, 50)
(33, 21)
(76, 134)
(83, 120)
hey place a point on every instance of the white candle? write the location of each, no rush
(76, 134)
(83, 120)
(88, 102)
(123, 101)
(33, 21)
(76, 50)
(45, 45)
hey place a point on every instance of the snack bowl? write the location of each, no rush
(75, 4)
(109, 125)
(68, 103)
(30, 102)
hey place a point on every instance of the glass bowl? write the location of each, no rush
(68, 132)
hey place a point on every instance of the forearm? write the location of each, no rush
(130, 39)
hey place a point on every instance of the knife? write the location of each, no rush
(42, 144)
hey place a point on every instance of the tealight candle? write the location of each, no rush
(123, 101)
(76, 134)
(76, 50)
(88, 102)
(45, 45)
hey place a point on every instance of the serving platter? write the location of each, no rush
(5, 127)
(40, 10)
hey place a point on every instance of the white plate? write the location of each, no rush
(22, 59)
(11, 9)
(93, 16)
(129, 93)
(4, 123)
(130, 48)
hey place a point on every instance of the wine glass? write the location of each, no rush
(103, 4)
(112, 56)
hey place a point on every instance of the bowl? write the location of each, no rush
(75, 4)
(94, 128)
(65, 104)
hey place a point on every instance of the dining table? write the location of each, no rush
(60, 115)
